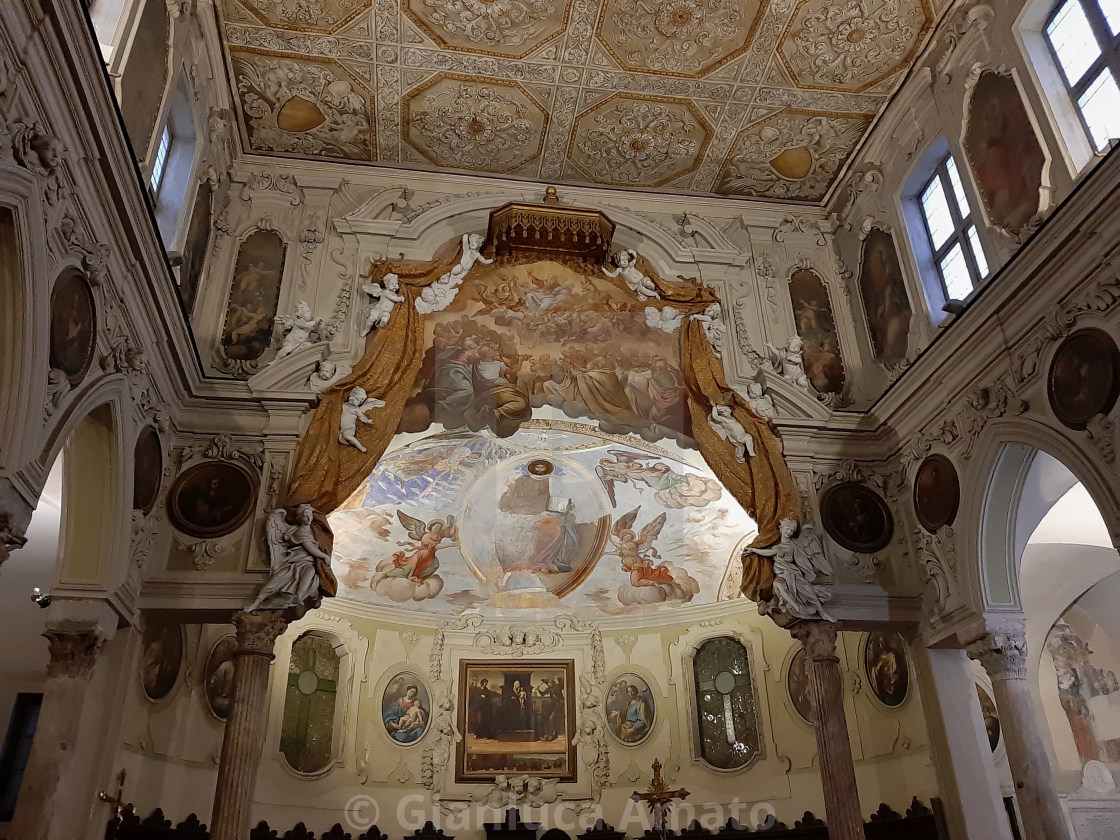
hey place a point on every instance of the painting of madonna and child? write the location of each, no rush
(558, 516)
(516, 718)
(518, 341)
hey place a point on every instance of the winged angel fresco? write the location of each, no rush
(648, 584)
(673, 490)
(410, 574)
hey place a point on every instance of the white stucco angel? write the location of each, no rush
(712, 320)
(353, 410)
(385, 295)
(802, 573)
(667, 319)
(298, 328)
(725, 425)
(760, 402)
(326, 374)
(295, 560)
(626, 266)
(472, 253)
(789, 361)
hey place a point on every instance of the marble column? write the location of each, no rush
(959, 742)
(245, 727)
(1003, 653)
(826, 688)
(51, 804)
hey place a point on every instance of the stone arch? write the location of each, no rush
(1002, 502)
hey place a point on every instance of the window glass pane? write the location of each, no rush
(161, 158)
(958, 188)
(307, 729)
(936, 210)
(954, 270)
(727, 717)
(977, 251)
(1100, 105)
(1111, 9)
(1073, 41)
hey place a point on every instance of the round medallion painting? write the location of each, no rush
(990, 715)
(888, 667)
(630, 709)
(937, 493)
(856, 517)
(73, 326)
(1084, 378)
(406, 708)
(797, 684)
(147, 466)
(161, 658)
(217, 677)
(211, 499)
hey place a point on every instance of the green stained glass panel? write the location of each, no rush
(307, 731)
(727, 718)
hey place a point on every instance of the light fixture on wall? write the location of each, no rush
(41, 598)
(953, 306)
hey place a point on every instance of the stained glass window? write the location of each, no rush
(307, 732)
(726, 712)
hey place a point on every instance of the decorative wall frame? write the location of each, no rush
(217, 677)
(886, 666)
(856, 517)
(630, 707)
(73, 326)
(937, 492)
(162, 648)
(1084, 377)
(406, 708)
(147, 469)
(211, 499)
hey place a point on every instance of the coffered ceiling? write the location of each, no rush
(755, 98)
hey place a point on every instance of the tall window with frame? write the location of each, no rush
(954, 244)
(1084, 37)
(159, 165)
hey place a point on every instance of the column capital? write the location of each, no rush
(1002, 651)
(257, 631)
(73, 654)
(818, 638)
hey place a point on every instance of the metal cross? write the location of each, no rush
(659, 799)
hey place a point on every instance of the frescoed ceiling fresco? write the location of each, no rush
(757, 98)
(558, 517)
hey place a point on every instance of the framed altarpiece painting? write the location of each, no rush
(518, 698)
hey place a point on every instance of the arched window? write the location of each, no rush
(310, 700)
(726, 707)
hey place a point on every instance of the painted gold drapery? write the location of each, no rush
(326, 472)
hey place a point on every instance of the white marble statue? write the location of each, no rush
(353, 410)
(667, 319)
(385, 295)
(761, 403)
(626, 265)
(725, 425)
(802, 573)
(439, 294)
(298, 329)
(789, 361)
(292, 552)
(327, 372)
(712, 320)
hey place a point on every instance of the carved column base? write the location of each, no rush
(244, 737)
(838, 773)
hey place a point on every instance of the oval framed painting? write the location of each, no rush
(147, 470)
(406, 708)
(886, 664)
(937, 493)
(990, 715)
(1084, 378)
(856, 517)
(161, 659)
(217, 677)
(797, 686)
(630, 709)
(73, 330)
(211, 499)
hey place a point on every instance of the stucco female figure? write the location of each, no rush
(293, 552)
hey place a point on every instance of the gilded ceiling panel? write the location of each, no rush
(682, 37)
(511, 28)
(465, 123)
(761, 98)
(852, 44)
(629, 141)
